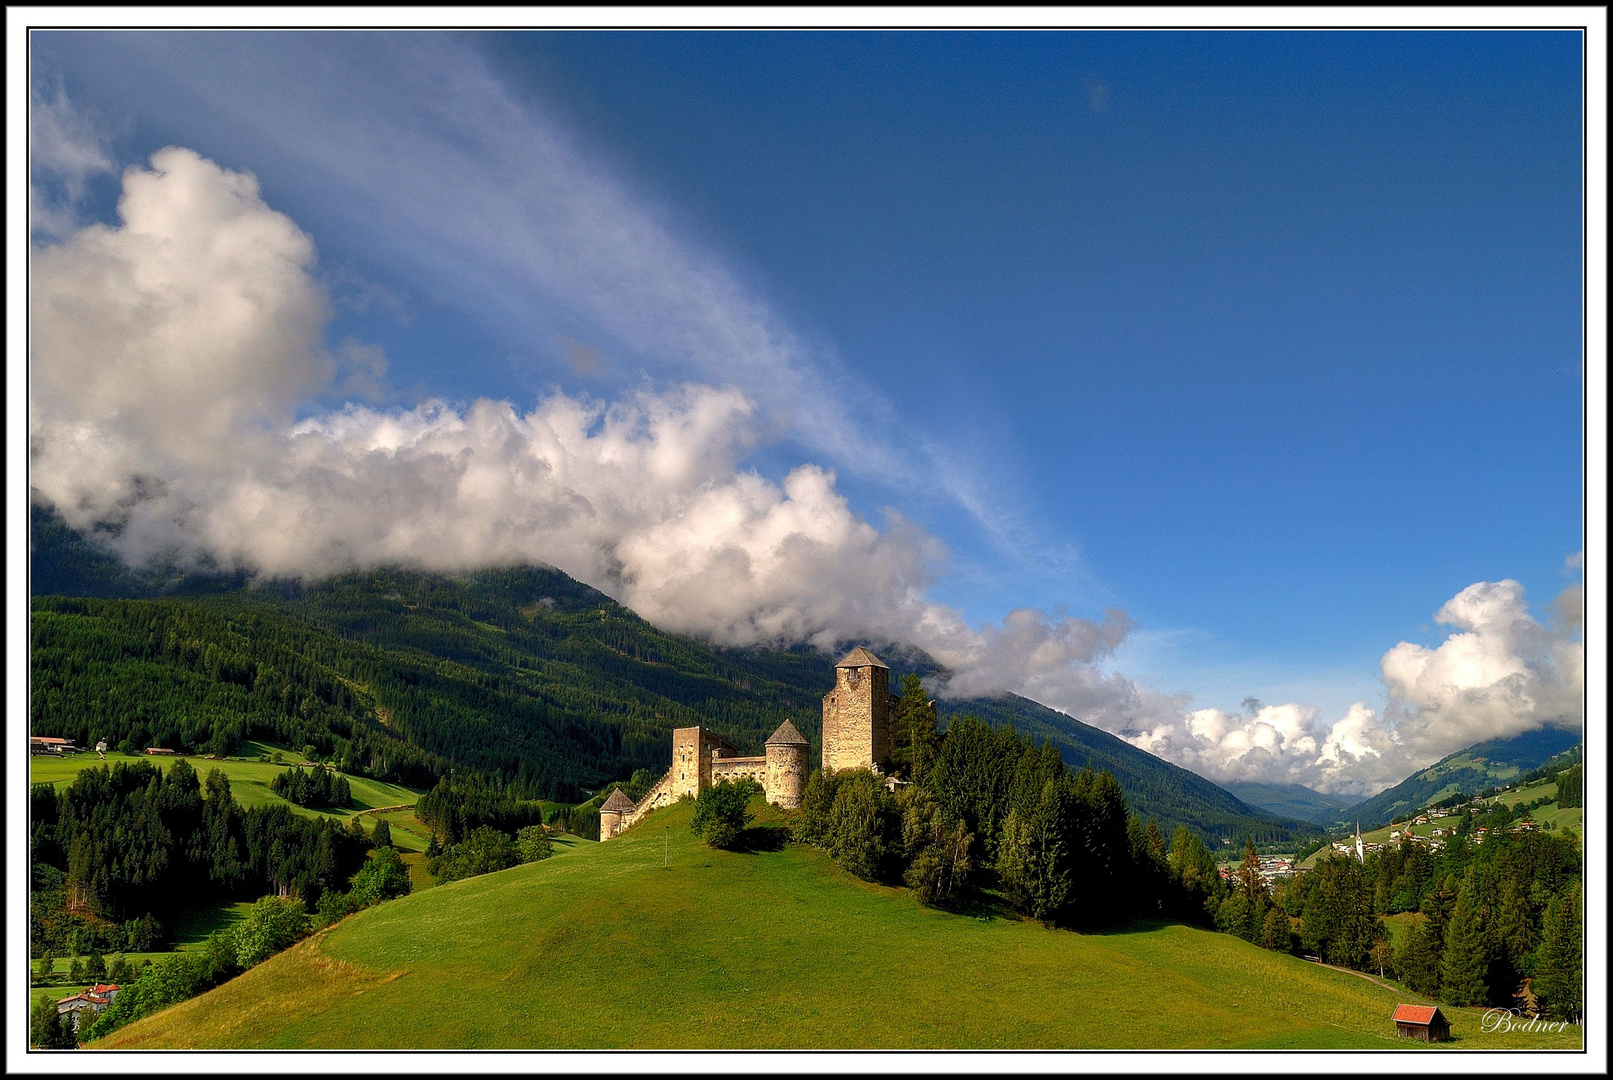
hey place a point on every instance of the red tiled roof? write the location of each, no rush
(1415, 1014)
(101, 988)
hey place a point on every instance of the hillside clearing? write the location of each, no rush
(775, 949)
(249, 779)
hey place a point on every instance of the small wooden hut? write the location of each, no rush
(1423, 1022)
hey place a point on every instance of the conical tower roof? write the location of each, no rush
(787, 735)
(861, 657)
(618, 801)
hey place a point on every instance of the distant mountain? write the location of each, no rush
(523, 674)
(1294, 800)
(1482, 765)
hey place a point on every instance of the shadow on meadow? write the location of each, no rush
(759, 838)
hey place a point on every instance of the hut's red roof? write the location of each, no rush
(1415, 1014)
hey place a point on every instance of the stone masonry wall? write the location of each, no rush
(724, 769)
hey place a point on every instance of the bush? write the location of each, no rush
(383, 877)
(273, 924)
(484, 851)
(722, 812)
(533, 843)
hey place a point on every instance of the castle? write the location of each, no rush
(856, 735)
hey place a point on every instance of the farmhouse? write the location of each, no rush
(95, 999)
(48, 745)
(1423, 1022)
(856, 735)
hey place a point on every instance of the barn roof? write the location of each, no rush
(787, 735)
(1416, 1014)
(618, 801)
(861, 657)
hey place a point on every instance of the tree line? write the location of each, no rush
(126, 847)
(982, 806)
(318, 786)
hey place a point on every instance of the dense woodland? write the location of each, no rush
(120, 851)
(318, 786)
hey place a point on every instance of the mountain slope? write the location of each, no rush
(523, 674)
(1155, 788)
(1467, 771)
(1294, 800)
(770, 949)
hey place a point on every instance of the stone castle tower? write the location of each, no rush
(857, 714)
(786, 766)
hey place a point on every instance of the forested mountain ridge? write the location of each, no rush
(1295, 800)
(523, 674)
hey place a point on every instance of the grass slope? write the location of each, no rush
(1482, 765)
(771, 949)
(249, 780)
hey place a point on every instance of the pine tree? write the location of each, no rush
(1250, 883)
(382, 836)
(1560, 982)
(1274, 931)
(1463, 975)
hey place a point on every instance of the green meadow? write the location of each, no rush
(660, 942)
(249, 778)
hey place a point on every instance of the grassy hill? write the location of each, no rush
(779, 948)
(523, 674)
(1295, 801)
(249, 778)
(1482, 765)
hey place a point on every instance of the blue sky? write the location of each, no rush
(1271, 340)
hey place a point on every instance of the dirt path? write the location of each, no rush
(1370, 979)
(385, 809)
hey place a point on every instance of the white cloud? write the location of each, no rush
(1502, 674)
(169, 353)
(65, 150)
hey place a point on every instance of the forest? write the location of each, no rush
(121, 851)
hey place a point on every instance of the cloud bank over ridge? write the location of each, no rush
(171, 355)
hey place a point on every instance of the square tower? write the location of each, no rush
(857, 713)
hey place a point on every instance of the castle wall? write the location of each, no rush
(724, 769)
(856, 719)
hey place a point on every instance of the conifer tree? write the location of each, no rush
(1560, 982)
(1274, 930)
(1250, 883)
(1417, 962)
(382, 836)
(1463, 975)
